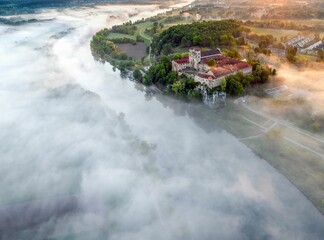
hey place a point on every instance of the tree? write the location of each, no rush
(171, 77)
(257, 50)
(231, 41)
(177, 56)
(147, 80)
(233, 53)
(165, 60)
(190, 83)
(224, 40)
(196, 40)
(122, 66)
(211, 62)
(320, 54)
(260, 74)
(178, 87)
(138, 75)
(274, 72)
(291, 54)
(160, 74)
(194, 94)
(241, 41)
(149, 77)
(234, 87)
(185, 42)
(123, 56)
(223, 85)
(167, 49)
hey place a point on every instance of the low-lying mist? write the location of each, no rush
(86, 154)
(303, 102)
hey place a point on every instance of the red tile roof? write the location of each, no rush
(242, 65)
(182, 60)
(220, 72)
(206, 76)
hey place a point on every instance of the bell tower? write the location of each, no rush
(194, 57)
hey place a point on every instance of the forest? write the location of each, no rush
(204, 34)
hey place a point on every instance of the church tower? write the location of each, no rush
(194, 57)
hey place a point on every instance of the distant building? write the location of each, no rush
(305, 44)
(294, 41)
(195, 17)
(196, 65)
(312, 47)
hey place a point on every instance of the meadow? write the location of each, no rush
(277, 33)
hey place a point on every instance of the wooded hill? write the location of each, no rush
(204, 34)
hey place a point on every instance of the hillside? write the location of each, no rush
(204, 34)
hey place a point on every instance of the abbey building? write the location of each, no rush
(209, 67)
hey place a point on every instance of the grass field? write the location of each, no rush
(183, 22)
(304, 57)
(120, 35)
(141, 31)
(148, 24)
(313, 22)
(278, 33)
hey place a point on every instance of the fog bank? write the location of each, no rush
(86, 154)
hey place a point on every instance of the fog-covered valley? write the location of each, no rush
(86, 154)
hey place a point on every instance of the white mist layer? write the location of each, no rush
(79, 168)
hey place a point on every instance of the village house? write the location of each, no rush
(196, 65)
(312, 47)
(305, 44)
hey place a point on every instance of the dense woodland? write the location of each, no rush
(126, 28)
(205, 34)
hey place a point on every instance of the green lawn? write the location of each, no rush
(304, 57)
(120, 35)
(278, 33)
(141, 31)
(182, 22)
(148, 24)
